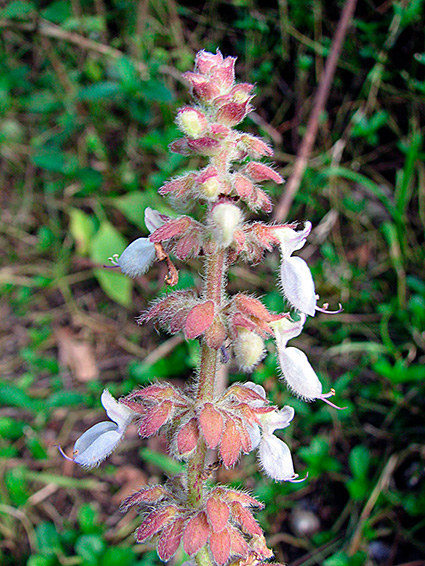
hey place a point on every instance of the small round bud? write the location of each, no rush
(248, 348)
(211, 187)
(191, 122)
(227, 218)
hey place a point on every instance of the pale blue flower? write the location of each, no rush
(137, 258)
(101, 439)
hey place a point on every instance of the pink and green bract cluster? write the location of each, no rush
(215, 525)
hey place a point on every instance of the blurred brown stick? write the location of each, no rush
(48, 29)
(319, 103)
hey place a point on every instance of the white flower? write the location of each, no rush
(137, 258)
(295, 276)
(101, 439)
(296, 369)
(274, 455)
(299, 375)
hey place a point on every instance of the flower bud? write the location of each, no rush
(191, 122)
(209, 183)
(248, 348)
(227, 218)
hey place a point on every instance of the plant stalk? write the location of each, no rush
(214, 291)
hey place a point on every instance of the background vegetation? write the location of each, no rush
(89, 91)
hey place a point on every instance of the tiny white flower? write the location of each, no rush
(301, 377)
(259, 389)
(101, 439)
(137, 258)
(275, 458)
(298, 285)
(295, 276)
(299, 374)
(273, 454)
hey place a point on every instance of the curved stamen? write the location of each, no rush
(324, 397)
(114, 260)
(325, 310)
(300, 480)
(64, 455)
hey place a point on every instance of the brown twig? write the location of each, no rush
(319, 103)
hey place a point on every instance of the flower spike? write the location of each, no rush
(214, 524)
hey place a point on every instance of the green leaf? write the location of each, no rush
(90, 547)
(39, 560)
(130, 77)
(16, 485)
(91, 179)
(57, 12)
(359, 461)
(12, 396)
(37, 449)
(133, 206)
(65, 399)
(18, 9)
(48, 538)
(105, 90)
(87, 519)
(399, 373)
(82, 229)
(116, 556)
(154, 90)
(11, 428)
(105, 243)
(50, 161)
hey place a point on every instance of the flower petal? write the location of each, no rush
(275, 458)
(277, 419)
(116, 411)
(137, 257)
(255, 436)
(100, 448)
(291, 240)
(298, 285)
(285, 329)
(259, 389)
(154, 219)
(298, 374)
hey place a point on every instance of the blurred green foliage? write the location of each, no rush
(88, 95)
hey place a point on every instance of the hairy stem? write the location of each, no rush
(214, 290)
